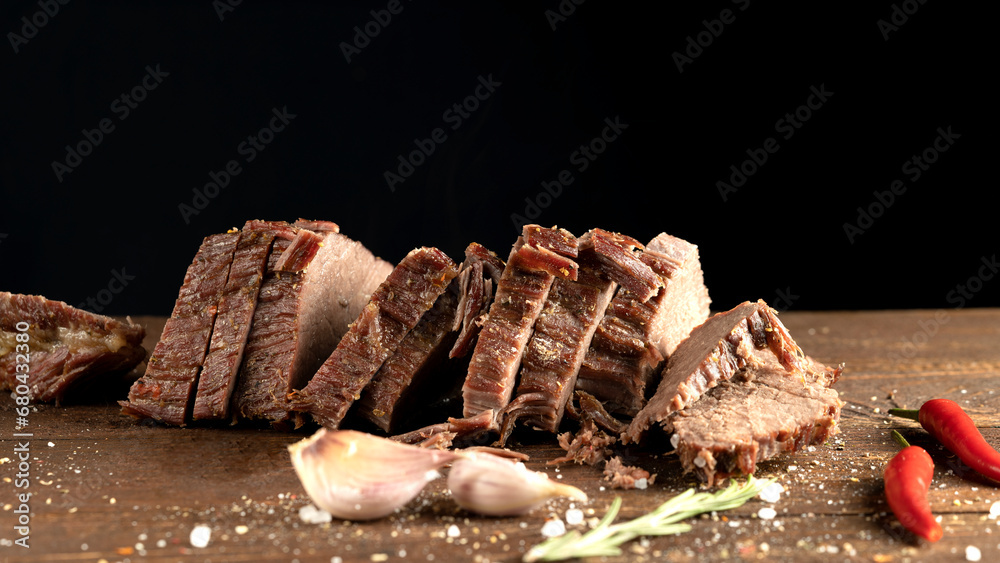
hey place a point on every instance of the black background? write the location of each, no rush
(779, 237)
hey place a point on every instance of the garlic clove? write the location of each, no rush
(357, 476)
(494, 486)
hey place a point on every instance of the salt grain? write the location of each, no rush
(771, 493)
(972, 553)
(995, 510)
(312, 515)
(553, 527)
(766, 513)
(574, 516)
(453, 531)
(641, 483)
(200, 535)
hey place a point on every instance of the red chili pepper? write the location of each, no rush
(947, 422)
(907, 479)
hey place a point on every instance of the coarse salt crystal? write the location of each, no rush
(771, 493)
(641, 483)
(995, 510)
(200, 535)
(767, 513)
(972, 553)
(574, 516)
(453, 531)
(553, 527)
(312, 515)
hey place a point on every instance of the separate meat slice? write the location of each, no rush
(302, 313)
(62, 346)
(419, 373)
(166, 391)
(538, 257)
(760, 413)
(715, 351)
(476, 291)
(217, 380)
(636, 335)
(394, 310)
(566, 325)
(413, 369)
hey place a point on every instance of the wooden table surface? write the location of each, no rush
(104, 487)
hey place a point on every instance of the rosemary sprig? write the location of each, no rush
(605, 538)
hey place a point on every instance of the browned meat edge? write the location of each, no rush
(64, 347)
(715, 351)
(755, 416)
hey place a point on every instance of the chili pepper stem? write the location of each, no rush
(900, 439)
(911, 414)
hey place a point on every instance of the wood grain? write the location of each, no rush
(106, 487)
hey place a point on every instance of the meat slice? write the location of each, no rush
(419, 373)
(217, 380)
(760, 413)
(566, 325)
(394, 310)
(412, 371)
(636, 335)
(476, 291)
(317, 282)
(715, 351)
(63, 346)
(538, 257)
(166, 391)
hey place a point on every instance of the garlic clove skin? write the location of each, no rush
(494, 486)
(357, 476)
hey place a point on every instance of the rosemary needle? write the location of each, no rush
(605, 538)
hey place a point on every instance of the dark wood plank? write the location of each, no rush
(106, 487)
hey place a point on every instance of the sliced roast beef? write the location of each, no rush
(636, 335)
(480, 273)
(165, 392)
(419, 374)
(217, 380)
(715, 351)
(758, 414)
(566, 325)
(62, 345)
(538, 257)
(394, 310)
(413, 368)
(317, 282)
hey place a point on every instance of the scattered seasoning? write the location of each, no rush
(553, 527)
(907, 479)
(972, 553)
(771, 493)
(453, 531)
(574, 516)
(767, 513)
(945, 420)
